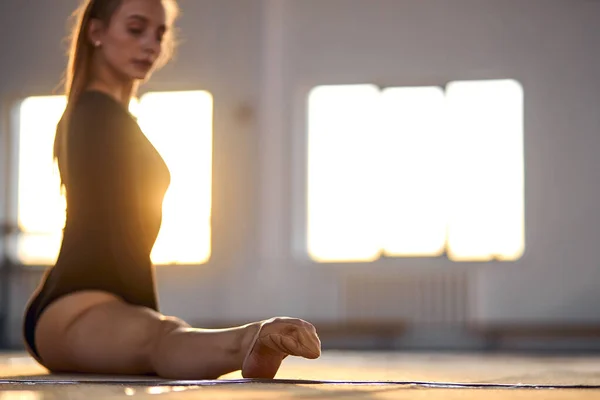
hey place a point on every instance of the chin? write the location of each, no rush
(140, 76)
(144, 78)
(137, 75)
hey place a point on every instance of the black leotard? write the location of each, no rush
(115, 189)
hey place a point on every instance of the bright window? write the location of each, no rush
(343, 173)
(179, 125)
(486, 196)
(412, 194)
(41, 207)
(416, 171)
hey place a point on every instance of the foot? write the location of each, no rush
(276, 339)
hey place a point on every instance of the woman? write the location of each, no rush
(96, 310)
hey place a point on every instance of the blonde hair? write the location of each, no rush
(78, 76)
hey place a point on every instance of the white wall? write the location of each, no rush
(266, 54)
(550, 47)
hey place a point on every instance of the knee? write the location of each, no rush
(164, 328)
(165, 347)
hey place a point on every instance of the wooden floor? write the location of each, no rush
(430, 373)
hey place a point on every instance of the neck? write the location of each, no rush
(122, 93)
(105, 81)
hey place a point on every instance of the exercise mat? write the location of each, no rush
(149, 381)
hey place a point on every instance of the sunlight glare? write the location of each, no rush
(21, 395)
(179, 125)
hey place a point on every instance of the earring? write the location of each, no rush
(97, 43)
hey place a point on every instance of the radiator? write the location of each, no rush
(415, 298)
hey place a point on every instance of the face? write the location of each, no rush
(132, 42)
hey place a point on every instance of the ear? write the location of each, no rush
(95, 32)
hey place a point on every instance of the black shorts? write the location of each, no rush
(32, 313)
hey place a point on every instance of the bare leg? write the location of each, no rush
(96, 332)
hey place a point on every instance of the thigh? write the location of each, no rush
(96, 332)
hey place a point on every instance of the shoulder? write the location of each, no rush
(95, 106)
(94, 111)
(95, 122)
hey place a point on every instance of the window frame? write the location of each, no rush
(299, 183)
